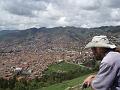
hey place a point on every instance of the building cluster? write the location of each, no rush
(31, 58)
(32, 64)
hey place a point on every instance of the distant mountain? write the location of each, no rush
(35, 48)
(57, 35)
(53, 37)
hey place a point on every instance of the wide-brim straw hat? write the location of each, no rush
(100, 41)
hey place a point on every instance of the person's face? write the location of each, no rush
(97, 52)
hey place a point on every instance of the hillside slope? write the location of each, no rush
(36, 48)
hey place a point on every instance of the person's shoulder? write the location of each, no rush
(112, 58)
(114, 54)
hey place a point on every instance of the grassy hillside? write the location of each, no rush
(65, 84)
(55, 77)
(64, 67)
(62, 71)
(58, 73)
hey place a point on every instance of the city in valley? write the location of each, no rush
(28, 53)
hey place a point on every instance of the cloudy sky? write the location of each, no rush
(22, 14)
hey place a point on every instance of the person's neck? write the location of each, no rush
(104, 54)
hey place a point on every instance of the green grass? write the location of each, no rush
(65, 84)
(74, 70)
(63, 66)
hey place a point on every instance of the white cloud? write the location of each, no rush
(21, 14)
(112, 3)
(62, 21)
(87, 4)
(115, 14)
(52, 12)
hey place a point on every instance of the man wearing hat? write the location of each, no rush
(108, 76)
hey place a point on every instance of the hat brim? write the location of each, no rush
(92, 44)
